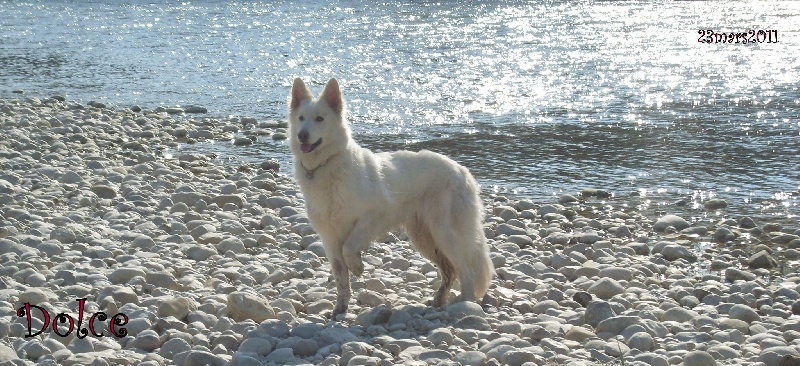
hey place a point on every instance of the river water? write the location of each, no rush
(537, 98)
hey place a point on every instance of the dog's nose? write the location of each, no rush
(303, 136)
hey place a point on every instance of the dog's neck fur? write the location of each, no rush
(310, 172)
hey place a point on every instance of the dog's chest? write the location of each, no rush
(327, 200)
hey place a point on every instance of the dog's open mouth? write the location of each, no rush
(307, 148)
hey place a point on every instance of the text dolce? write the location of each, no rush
(64, 319)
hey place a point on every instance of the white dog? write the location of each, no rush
(354, 196)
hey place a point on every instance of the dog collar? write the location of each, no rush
(310, 172)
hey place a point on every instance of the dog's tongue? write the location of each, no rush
(306, 147)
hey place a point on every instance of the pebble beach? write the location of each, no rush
(217, 265)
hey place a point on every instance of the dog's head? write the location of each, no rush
(316, 125)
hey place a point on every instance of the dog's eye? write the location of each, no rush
(301, 118)
(319, 119)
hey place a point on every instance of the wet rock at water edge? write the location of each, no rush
(243, 141)
(715, 204)
(270, 164)
(248, 121)
(723, 234)
(599, 193)
(666, 221)
(762, 259)
(747, 223)
(195, 109)
(674, 252)
(735, 274)
(568, 198)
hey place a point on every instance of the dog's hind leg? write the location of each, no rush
(469, 259)
(448, 273)
(422, 240)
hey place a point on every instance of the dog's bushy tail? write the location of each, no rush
(467, 211)
(484, 269)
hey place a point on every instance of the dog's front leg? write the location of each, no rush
(341, 275)
(358, 241)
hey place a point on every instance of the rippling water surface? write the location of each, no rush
(537, 98)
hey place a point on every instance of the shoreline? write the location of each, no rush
(217, 264)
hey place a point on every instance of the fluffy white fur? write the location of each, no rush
(354, 196)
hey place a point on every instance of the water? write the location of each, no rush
(537, 98)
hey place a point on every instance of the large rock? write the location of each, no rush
(232, 244)
(178, 307)
(678, 314)
(104, 191)
(743, 313)
(244, 305)
(121, 276)
(698, 358)
(606, 288)
(642, 341)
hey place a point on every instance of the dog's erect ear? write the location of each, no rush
(333, 96)
(299, 93)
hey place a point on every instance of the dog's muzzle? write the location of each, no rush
(305, 147)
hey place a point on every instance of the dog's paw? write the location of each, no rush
(355, 264)
(357, 269)
(337, 310)
(436, 302)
